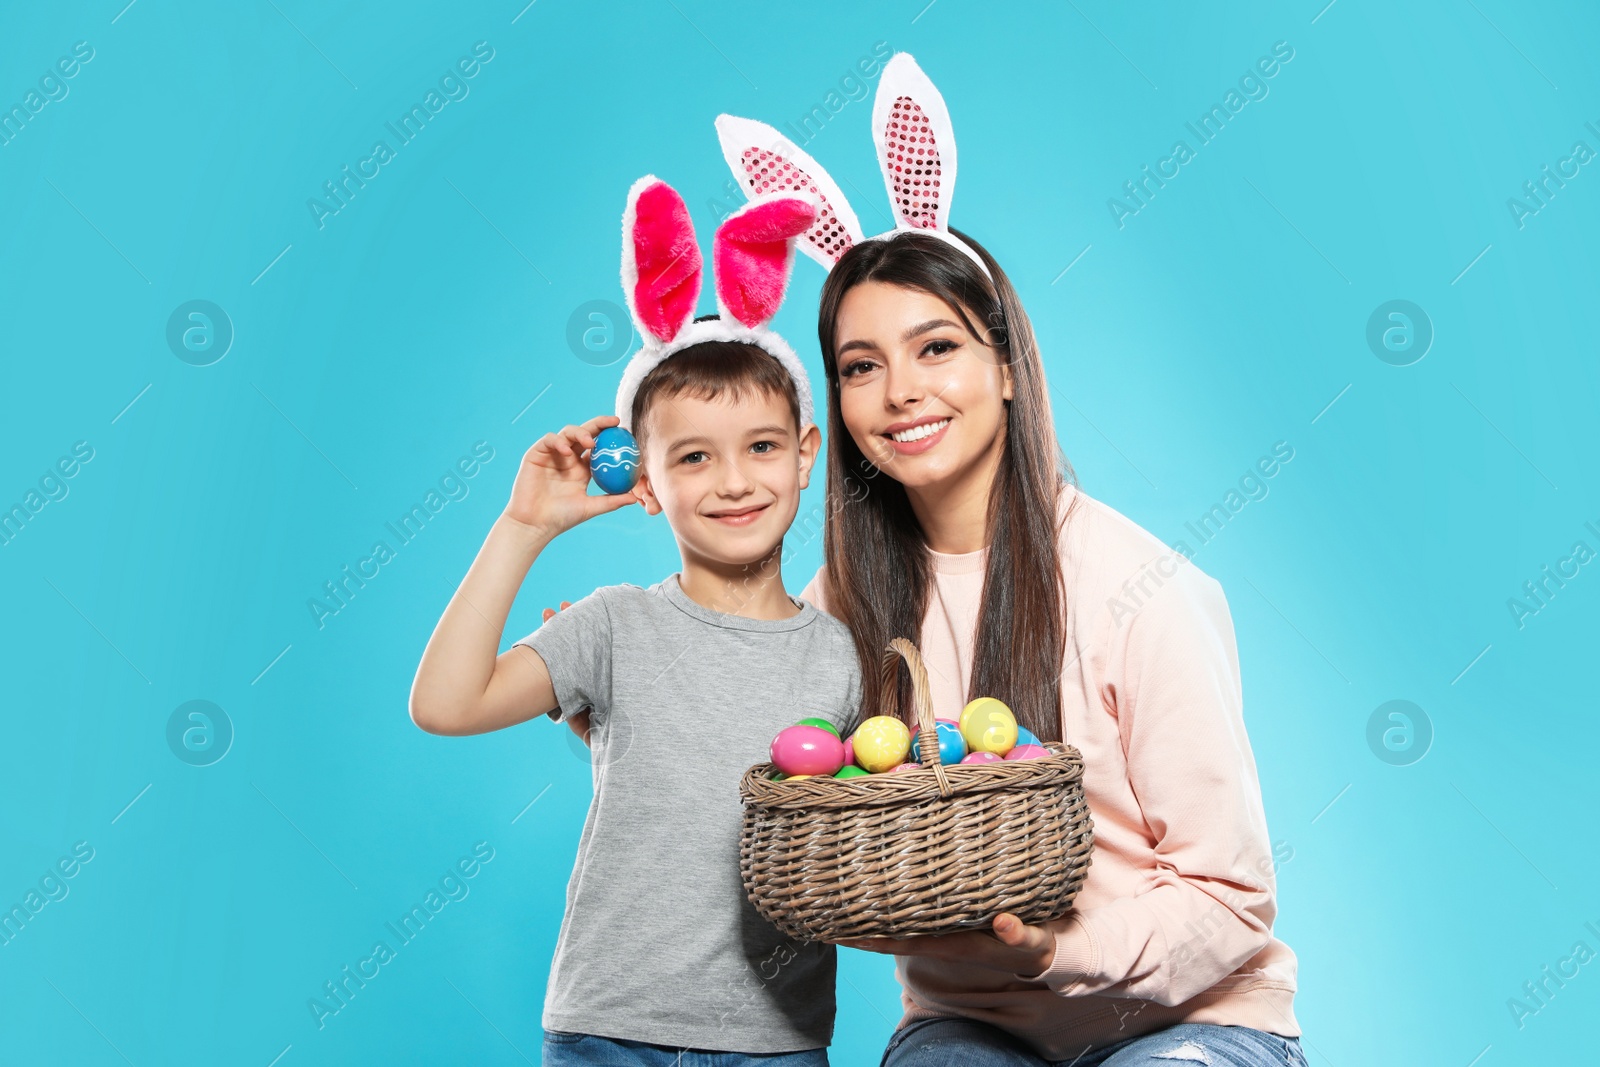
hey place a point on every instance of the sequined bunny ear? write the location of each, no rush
(661, 263)
(916, 146)
(765, 161)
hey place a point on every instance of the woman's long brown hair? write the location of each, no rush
(879, 573)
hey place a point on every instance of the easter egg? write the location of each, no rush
(806, 750)
(988, 726)
(1028, 752)
(952, 746)
(850, 751)
(1026, 736)
(982, 757)
(614, 460)
(905, 767)
(850, 771)
(880, 743)
(821, 724)
(797, 777)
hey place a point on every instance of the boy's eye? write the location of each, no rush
(693, 458)
(763, 447)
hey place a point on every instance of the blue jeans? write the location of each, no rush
(965, 1043)
(586, 1050)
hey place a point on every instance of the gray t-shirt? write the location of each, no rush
(659, 942)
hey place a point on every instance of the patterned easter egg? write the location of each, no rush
(988, 726)
(614, 460)
(952, 746)
(1028, 752)
(905, 767)
(807, 750)
(982, 757)
(881, 742)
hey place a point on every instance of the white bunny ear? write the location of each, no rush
(765, 161)
(660, 259)
(916, 146)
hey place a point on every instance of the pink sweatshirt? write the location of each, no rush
(1174, 923)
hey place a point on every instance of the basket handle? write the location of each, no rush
(921, 701)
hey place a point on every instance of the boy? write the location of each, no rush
(688, 680)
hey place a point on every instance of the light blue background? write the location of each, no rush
(372, 353)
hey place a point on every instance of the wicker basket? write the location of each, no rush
(918, 852)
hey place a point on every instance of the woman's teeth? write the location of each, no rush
(917, 433)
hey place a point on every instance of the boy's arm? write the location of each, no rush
(462, 686)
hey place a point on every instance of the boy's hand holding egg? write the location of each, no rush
(550, 494)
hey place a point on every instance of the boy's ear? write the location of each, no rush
(646, 494)
(810, 444)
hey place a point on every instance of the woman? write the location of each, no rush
(954, 520)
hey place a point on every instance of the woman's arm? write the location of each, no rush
(461, 686)
(1210, 903)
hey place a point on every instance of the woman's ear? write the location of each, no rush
(646, 494)
(810, 444)
(1010, 384)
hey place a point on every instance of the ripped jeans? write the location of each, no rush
(965, 1043)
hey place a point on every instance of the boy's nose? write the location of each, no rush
(733, 481)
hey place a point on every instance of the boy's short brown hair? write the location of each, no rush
(708, 370)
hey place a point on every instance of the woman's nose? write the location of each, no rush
(902, 385)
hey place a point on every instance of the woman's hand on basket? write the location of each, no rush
(1013, 948)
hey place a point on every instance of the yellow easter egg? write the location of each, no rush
(987, 725)
(881, 742)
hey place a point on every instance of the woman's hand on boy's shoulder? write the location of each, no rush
(578, 723)
(550, 494)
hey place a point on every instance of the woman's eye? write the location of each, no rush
(850, 370)
(939, 347)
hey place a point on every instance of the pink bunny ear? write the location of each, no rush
(765, 161)
(916, 146)
(660, 260)
(753, 253)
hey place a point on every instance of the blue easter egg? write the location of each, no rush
(1025, 737)
(614, 460)
(952, 746)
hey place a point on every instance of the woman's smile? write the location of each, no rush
(919, 436)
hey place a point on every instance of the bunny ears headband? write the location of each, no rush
(916, 151)
(752, 255)
(792, 201)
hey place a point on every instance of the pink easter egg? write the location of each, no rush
(849, 750)
(1028, 752)
(807, 750)
(905, 767)
(981, 757)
